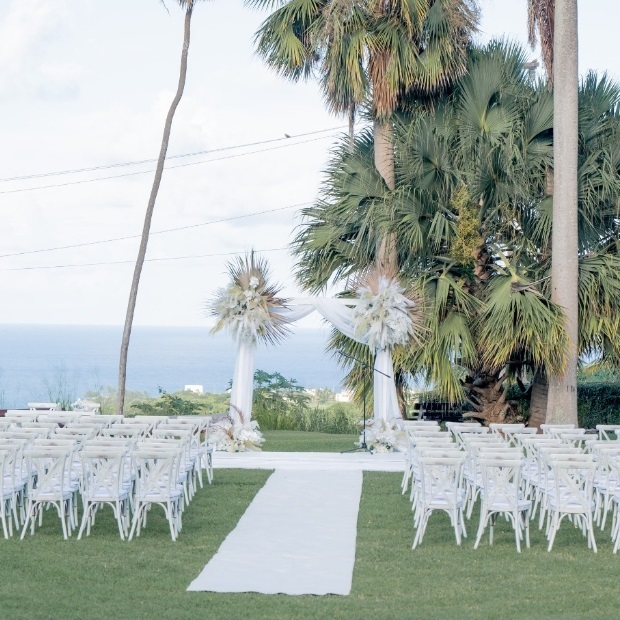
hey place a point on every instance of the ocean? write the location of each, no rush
(38, 359)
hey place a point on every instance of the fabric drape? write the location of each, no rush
(338, 312)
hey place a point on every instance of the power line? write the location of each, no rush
(132, 174)
(125, 262)
(151, 161)
(157, 232)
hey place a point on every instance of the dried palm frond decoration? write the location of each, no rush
(386, 314)
(228, 435)
(248, 306)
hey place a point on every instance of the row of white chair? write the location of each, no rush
(513, 473)
(99, 462)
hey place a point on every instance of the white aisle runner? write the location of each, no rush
(296, 537)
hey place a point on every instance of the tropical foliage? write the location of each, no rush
(471, 213)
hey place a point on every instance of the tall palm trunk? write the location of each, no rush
(386, 256)
(351, 115)
(562, 402)
(538, 400)
(133, 293)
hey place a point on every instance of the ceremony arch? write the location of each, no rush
(341, 314)
(379, 313)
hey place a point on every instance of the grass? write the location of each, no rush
(103, 577)
(300, 441)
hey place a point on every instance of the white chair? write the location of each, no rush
(606, 481)
(500, 428)
(572, 495)
(126, 430)
(501, 494)
(414, 439)
(107, 480)
(460, 432)
(18, 415)
(157, 483)
(548, 429)
(10, 488)
(605, 429)
(440, 489)
(51, 485)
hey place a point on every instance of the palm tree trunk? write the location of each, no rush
(386, 256)
(351, 126)
(562, 400)
(133, 293)
(538, 400)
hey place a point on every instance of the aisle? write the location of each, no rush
(296, 537)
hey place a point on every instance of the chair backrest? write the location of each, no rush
(501, 479)
(549, 428)
(419, 424)
(515, 435)
(604, 431)
(51, 465)
(573, 482)
(125, 430)
(21, 415)
(60, 417)
(500, 429)
(8, 457)
(104, 469)
(44, 406)
(33, 433)
(158, 469)
(111, 442)
(441, 479)
(460, 432)
(52, 426)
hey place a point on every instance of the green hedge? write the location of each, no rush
(598, 403)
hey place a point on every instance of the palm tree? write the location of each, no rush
(556, 23)
(377, 48)
(484, 263)
(188, 5)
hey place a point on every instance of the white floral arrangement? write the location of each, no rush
(383, 436)
(248, 306)
(384, 316)
(226, 436)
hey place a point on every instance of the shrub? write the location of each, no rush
(598, 403)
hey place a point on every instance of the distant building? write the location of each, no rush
(196, 389)
(346, 396)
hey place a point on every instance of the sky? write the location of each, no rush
(86, 84)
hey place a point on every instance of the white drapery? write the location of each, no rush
(339, 313)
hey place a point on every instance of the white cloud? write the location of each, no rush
(28, 36)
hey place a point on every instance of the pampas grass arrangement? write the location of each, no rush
(386, 314)
(248, 306)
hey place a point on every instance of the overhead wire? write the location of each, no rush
(139, 172)
(125, 262)
(178, 156)
(156, 232)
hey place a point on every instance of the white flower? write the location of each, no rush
(254, 282)
(383, 320)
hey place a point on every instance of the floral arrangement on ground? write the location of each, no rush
(226, 435)
(383, 436)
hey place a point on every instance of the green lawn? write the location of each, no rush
(102, 577)
(299, 441)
